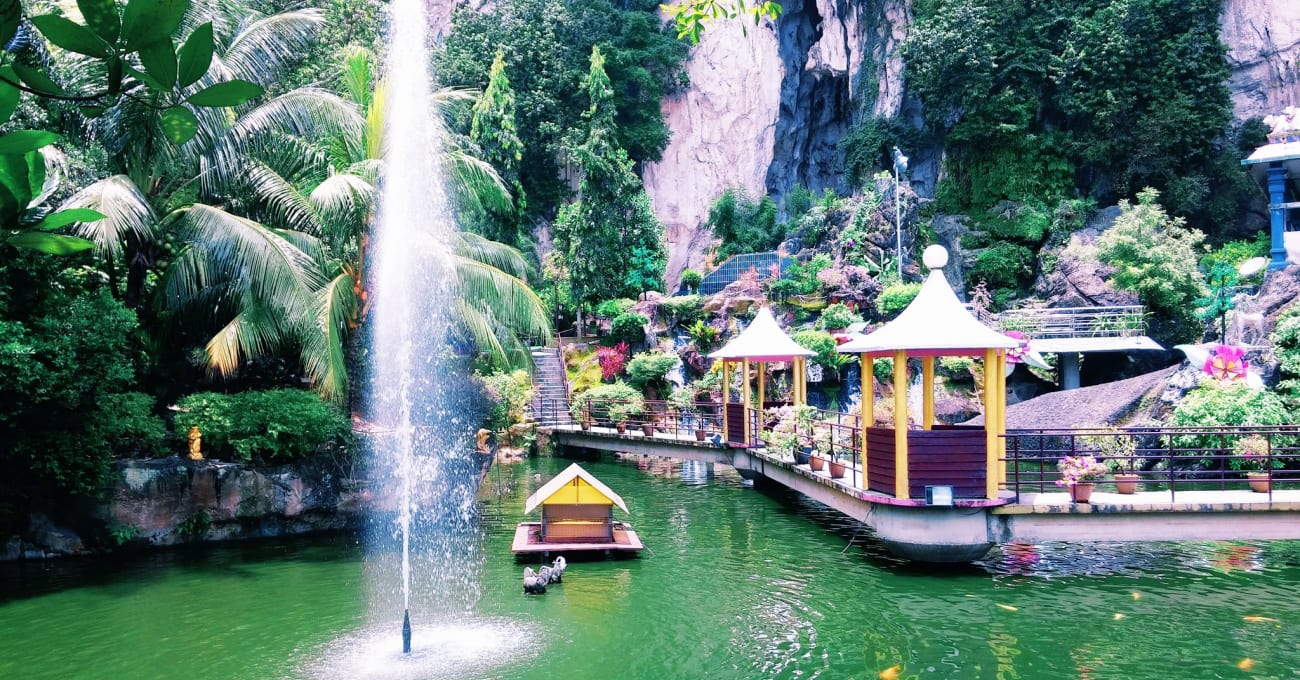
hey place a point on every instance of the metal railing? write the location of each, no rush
(1073, 322)
(1162, 458)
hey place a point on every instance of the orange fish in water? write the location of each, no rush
(1259, 619)
(1246, 664)
(1009, 608)
(1137, 595)
(1118, 616)
(891, 673)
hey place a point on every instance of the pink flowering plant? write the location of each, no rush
(1252, 454)
(1227, 362)
(1080, 470)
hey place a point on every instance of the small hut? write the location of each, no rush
(576, 508)
(760, 343)
(900, 460)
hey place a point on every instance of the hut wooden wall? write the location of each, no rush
(952, 457)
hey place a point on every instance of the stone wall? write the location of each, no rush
(1263, 39)
(154, 499)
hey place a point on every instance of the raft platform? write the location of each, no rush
(528, 541)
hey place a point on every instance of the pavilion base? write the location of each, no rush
(932, 534)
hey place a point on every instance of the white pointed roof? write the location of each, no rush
(936, 322)
(762, 340)
(550, 488)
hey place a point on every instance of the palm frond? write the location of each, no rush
(475, 183)
(127, 212)
(285, 206)
(492, 253)
(344, 203)
(512, 302)
(324, 356)
(265, 50)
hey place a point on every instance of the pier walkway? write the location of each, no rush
(1189, 488)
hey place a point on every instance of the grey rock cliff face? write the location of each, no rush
(1263, 39)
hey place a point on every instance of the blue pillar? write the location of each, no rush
(1277, 213)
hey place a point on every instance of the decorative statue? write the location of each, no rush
(196, 443)
(483, 435)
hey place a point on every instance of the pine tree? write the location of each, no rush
(610, 239)
(493, 129)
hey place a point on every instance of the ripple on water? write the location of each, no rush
(466, 650)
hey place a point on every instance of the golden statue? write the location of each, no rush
(482, 436)
(196, 443)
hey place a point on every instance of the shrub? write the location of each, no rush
(823, 344)
(612, 360)
(1003, 265)
(683, 308)
(511, 393)
(691, 279)
(837, 315)
(613, 308)
(629, 328)
(895, 298)
(596, 400)
(271, 426)
(1216, 403)
(650, 369)
(704, 336)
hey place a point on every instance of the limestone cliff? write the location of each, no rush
(1263, 39)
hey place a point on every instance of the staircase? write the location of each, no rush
(551, 400)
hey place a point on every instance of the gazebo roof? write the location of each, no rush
(935, 323)
(574, 486)
(762, 340)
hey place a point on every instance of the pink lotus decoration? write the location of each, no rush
(1017, 355)
(1227, 362)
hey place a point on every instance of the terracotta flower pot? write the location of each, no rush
(816, 462)
(1259, 481)
(699, 435)
(837, 469)
(1081, 492)
(621, 427)
(648, 430)
(1126, 483)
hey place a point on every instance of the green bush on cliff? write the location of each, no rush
(270, 426)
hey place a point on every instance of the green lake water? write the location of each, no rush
(738, 583)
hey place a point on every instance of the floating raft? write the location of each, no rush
(528, 540)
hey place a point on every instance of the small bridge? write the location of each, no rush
(1191, 482)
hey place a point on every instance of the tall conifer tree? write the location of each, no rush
(494, 130)
(610, 239)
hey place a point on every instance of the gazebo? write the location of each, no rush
(903, 461)
(1276, 166)
(760, 343)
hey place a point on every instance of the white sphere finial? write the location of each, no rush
(935, 256)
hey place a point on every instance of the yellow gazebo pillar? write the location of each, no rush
(800, 378)
(868, 403)
(762, 384)
(901, 482)
(991, 402)
(745, 397)
(1002, 417)
(927, 396)
(726, 398)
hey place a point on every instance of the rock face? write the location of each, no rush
(173, 500)
(1263, 39)
(723, 130)
(767, 108)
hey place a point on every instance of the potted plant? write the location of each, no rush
(839, 462)
(1252, 457)
(821, 446)
(619, 412)
(1118, 449)
(787, 423)
(1079, 474)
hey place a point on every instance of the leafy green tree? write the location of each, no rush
(493, 129)
(611, 229)
(1154, 255)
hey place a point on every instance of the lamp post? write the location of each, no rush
(900, 166)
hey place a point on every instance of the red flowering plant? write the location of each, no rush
(612, 360)
(1080, 470)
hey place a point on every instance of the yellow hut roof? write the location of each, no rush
(574, 486)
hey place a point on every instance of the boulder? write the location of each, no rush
(55, 539)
